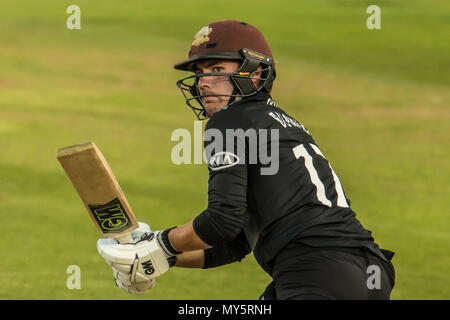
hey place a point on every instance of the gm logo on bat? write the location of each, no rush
(111, 217)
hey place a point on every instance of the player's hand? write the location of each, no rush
(140, 231)
(122, 281)
(146, 259)
(123, 278)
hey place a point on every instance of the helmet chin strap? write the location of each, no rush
(232, 99)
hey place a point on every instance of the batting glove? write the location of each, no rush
(122, 278)
(123, 281)
(146, 259)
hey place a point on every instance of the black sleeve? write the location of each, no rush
(224, 217)
(227, 252)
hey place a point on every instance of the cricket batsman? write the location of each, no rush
(291, 211)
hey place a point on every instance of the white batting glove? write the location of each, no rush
(123, 278)
(140, 231)
(146, 259)
(122, 281)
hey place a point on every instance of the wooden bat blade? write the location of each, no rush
(99, 190)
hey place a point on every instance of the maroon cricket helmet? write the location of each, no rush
(224, 40)
(229, 40)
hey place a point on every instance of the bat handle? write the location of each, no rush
(125, 238)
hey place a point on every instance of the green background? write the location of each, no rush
(376, 102)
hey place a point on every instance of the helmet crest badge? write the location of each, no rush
(202, 36)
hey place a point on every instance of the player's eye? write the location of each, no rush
(217, 69)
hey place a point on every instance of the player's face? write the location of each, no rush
(215, 84)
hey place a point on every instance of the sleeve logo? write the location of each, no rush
(223, 160)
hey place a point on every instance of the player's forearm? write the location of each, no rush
(184, 239)
(191, 259)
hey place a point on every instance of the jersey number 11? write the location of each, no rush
(300, 151)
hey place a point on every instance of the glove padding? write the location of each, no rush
(123, 278)
(122, 281)
(140, 231)
(138, 262)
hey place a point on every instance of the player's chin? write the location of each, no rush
(213, 107)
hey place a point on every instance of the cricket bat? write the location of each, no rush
(99, 190)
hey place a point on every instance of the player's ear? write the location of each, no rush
(256, 76)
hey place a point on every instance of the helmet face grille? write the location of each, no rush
(241, 80)
(189, 89)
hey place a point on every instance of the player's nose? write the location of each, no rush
(204, 83)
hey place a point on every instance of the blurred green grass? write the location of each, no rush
(377, 103)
